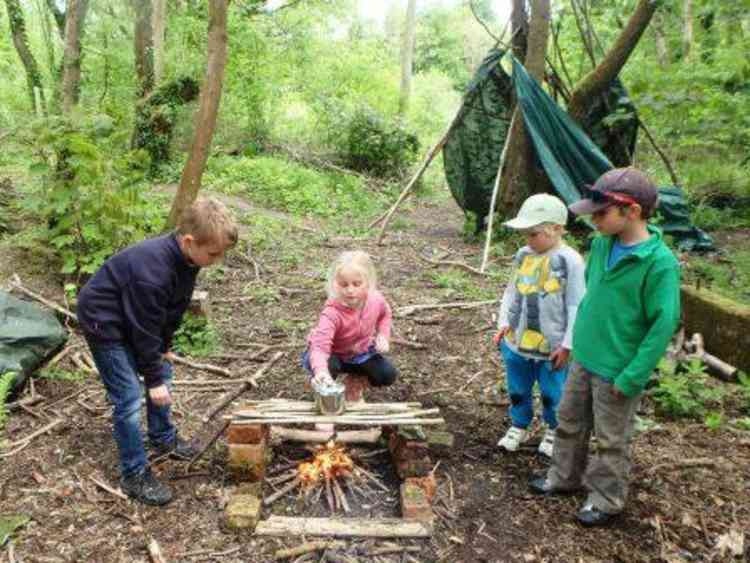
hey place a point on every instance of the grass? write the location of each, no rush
(730, 277)
(456, 283)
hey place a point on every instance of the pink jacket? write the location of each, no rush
(347, 332)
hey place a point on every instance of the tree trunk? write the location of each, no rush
(519, 25)
(144, 48)
(519, 170)
(21, 43)
(158, 22)
(59, 17)
(75, 15)
(205, 121)
(660, 39)
(596, 81)
(407, 56)
(687, 29)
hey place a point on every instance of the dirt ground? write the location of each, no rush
(676, 511)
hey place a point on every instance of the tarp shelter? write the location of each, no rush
(569, 157)
(28, 334)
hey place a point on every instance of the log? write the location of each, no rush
(344, 528)
(341, 419)
(282, 434)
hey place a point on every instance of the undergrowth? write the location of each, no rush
(196, 337)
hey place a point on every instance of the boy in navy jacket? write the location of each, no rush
(129, 311)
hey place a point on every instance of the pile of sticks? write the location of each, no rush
(283, 411)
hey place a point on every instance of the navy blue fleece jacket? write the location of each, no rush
(138, 297)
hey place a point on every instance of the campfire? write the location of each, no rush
(331, 470)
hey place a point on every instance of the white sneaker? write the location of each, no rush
(513, 439)
(548, 443)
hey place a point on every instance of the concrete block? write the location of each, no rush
(242, 513)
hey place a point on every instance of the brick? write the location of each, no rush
(403, 449)
(414, 502)
(246, 433)
(428, 484)
(254, 489)
(242, 513)
(440, 439)
(247, 462)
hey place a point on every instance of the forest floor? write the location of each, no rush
(676, 511)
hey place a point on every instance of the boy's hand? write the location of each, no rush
(160, 396)
(499, 334)
(169, 356)
(381, 344)
(559, 357)
(617, 394)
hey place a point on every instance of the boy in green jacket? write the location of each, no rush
(625, 322)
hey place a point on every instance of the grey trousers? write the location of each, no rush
(587, 404)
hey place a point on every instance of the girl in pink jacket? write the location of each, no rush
(353, 331)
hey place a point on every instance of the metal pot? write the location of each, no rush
(329, 398)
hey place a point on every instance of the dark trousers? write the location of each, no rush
(379, 371)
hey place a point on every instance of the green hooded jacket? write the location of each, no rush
(629, 313)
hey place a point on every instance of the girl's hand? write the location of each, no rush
(559, 357)
(322, 377)
(499, 334)
(381, 344)
(160, 396)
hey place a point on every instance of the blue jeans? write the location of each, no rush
(521, 373)
(116, 364)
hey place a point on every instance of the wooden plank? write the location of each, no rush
(338, 420)
(343, 528)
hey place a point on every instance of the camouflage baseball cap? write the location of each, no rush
(619, 186)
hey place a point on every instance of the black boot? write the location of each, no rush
(180, 449)
(145, 488)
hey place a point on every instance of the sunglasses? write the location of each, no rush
(610, 197)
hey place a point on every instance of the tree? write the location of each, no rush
(687, 29)
(519, 163)
(143, 47)
(158, 17)
(407, 55)
(598, 80)
(21, 43)
(75, 15)
(205, 120)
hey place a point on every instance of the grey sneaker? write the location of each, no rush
(145, 488)
(179, 449)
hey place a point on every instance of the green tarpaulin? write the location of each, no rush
(569, 157)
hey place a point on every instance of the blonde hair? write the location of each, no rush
(208, 220)
(357, 260)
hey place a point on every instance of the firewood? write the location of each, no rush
(281, 433)
(270, 499)
(203, 367)
(341, 496)
(307, 547)
(349, 527)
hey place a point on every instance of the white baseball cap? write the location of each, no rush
(538, 209)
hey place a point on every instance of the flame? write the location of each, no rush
(330, 461)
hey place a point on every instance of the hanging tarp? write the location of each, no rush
(28, 334)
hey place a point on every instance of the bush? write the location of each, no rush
(196, 337)
(375, 145)
(682, 391)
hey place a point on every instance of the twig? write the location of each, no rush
(455, 263)
(472, 378)
(30, 437)
(307, 547)
(270, 499)
(338, 491)
(205, 367)
(110, 490)
(208, 444)
(252, 382)
(154, 551)
(17, 285)
(686, 464)
(431, 391)
(409, 309)
(408, 343)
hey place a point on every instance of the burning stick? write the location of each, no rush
(329, 496)
(340, 495)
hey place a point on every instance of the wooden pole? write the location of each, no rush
(495, 189)
(349, 527)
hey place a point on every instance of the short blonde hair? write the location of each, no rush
(356, 259)
(208, 220)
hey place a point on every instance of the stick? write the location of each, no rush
(685, 464)
(62, 310)
(425, 163)
(338, 491)
(388, 549)
(154, 552)
(455, 263)
(495, 189)
(210, 443)
(33, 435)
(472, 378)
(409, 309)
(349, 527)
(270, 499)
(329, 496)
(281, 433)
(307, 547)
(252, 382)
(205, 367)
(408, 343)
(371, 477)
(110, 490)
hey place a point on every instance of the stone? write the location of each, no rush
(414, 502)
(242, 513)
(440, 439)
(247, 462)
(724, 323)
(246, 433)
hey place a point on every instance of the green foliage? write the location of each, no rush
(279, 184)
(7, 380)
(713, 420)
(196, 337)
(457, 283)
(87, 197)
(371, 143)
(744, 384)
(57, 374)
(682, 391)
